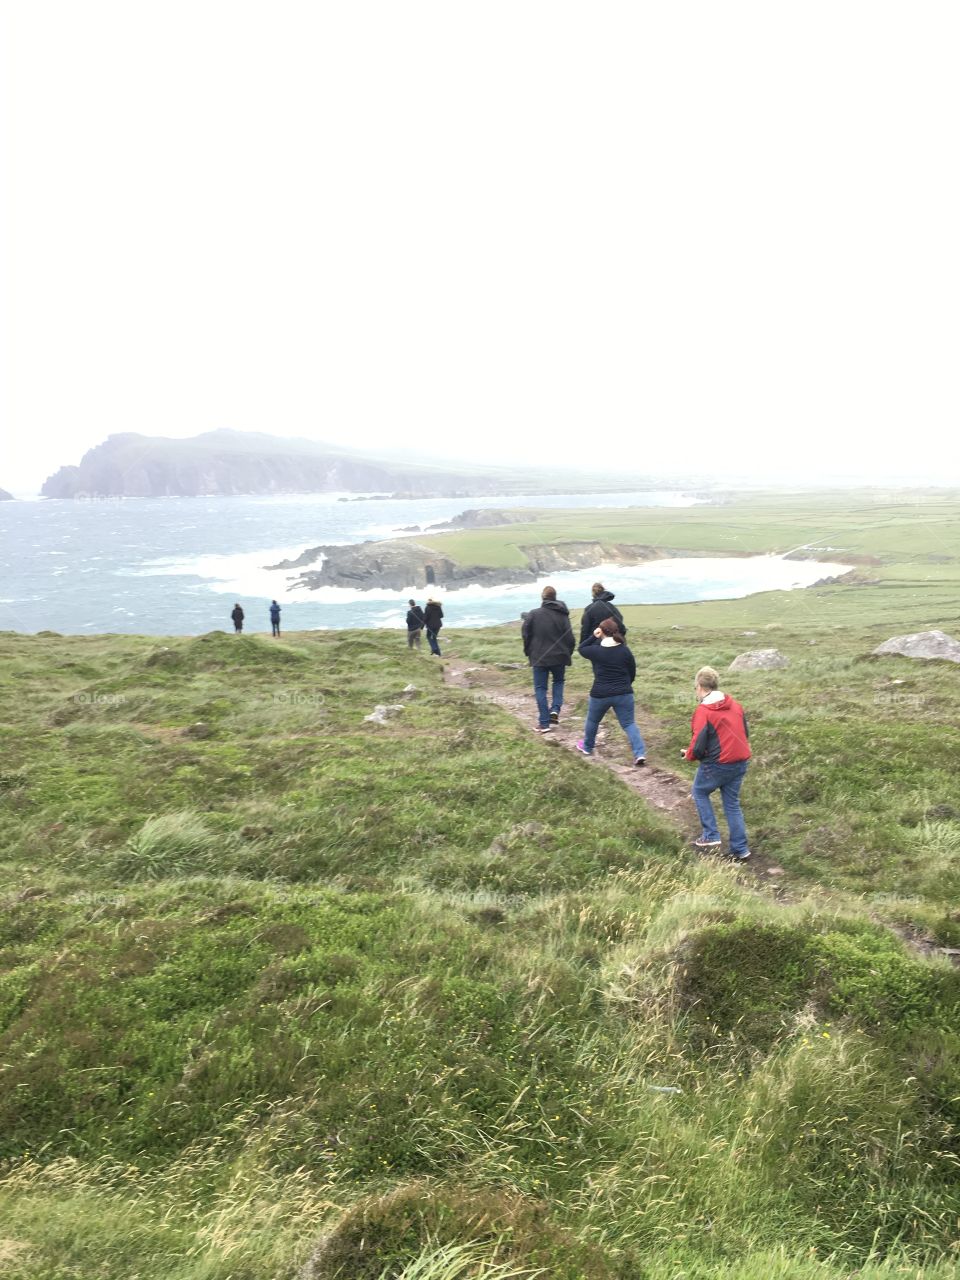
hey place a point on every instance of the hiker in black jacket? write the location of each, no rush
(237, 615)
(415, 624)
(548, 643)
(433, 620)
(600, 607)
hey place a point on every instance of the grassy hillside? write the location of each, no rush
(920, 529)
(284, 994)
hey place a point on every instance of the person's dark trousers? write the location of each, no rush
(238, 627)
(276, 628)
(541, 675)
(413, 639)
(727, 779)
(433, 643)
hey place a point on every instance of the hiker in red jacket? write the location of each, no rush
(721, 742)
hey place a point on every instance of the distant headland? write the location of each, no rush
(237, 463)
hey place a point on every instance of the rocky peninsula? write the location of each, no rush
(401, 563)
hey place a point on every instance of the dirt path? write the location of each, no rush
(667, 792)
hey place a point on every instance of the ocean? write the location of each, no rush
(175, 566)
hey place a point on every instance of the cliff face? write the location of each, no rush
(5, 497)
(233, 463)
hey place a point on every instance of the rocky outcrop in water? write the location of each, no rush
(491, 518)
(405, 563)
(6, 497)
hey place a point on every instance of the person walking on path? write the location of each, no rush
(548, 643)
(237, 615)
(433, 621)
(274, 617)
(720, 741)
(614, 671)
(600, 607)
(415, 624)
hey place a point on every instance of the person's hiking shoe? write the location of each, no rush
(542, 728)
(640, 762)
(554, 717)
(707, 846)
(740, 857)
(582, 749)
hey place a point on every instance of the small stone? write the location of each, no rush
(382, 712)
(775, 871)
(198, 731)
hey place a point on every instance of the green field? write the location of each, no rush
(921, 529)
(289, 996)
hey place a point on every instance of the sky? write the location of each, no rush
(667, 237)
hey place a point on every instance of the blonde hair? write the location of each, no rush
(708, 678)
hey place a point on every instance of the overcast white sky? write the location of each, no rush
(637, 233)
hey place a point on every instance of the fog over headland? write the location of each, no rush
(684, 241)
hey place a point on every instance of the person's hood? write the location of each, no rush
(717, 699)
(606, 595)
(559, 605)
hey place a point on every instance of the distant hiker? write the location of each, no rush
(548, 643)
(415, 624)
(614, 671)
(600, 607)
(274, 617)
(237, 616)
(721, 743)
(433, 621)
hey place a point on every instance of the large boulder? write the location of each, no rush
(759, 660)
(922, 644)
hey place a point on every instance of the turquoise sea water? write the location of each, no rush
(168, 566)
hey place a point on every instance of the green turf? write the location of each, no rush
(921, 528)
(284, 973)
(284, 994)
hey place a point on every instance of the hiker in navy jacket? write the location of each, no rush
(548, 643)
(720, 741)
(274, 617)
(237, 615)
(614, 671)
(415, 624)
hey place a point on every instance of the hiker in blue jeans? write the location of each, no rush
(548, 642)
(614, 671)
(720, 741)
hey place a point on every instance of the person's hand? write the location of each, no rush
(599, 633)
(683, 753)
